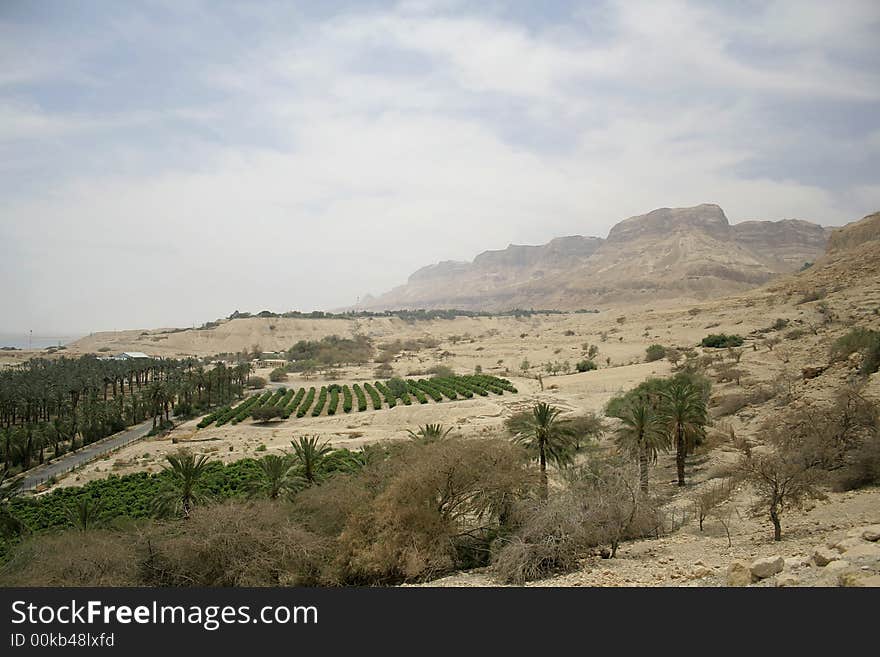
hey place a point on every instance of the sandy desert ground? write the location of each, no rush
(499, 345)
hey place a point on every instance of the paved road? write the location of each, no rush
(85, 455)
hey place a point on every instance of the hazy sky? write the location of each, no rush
(166, 163)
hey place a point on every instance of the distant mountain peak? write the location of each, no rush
(682, 252)
(706, 216)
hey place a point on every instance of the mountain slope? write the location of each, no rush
(852, 262)
(685, 253)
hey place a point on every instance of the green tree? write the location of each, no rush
(429, 432)
(639, 436)
(276, 476)
(10, 525)
(311, 458)
(86, 513)
(547, 437)
(186, 473)
(683, 417)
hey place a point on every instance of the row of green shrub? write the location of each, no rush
(307, 403)
(386, 393)
(374, 396)
(273, 399)
(294, 404)
(432, 392)
(361, 397)
(244, 410)
(322, 399)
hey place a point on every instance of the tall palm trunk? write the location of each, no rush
(543, 463)
(643, 470)
(679, 454)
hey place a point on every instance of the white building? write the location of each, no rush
(131, 355)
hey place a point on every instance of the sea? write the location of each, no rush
(25, 341)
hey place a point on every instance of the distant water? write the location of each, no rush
(21, 341)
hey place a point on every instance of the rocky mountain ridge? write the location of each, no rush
(682, 253)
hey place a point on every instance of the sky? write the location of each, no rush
(166, 163)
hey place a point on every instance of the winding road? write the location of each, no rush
(85, 455)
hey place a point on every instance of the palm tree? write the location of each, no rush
(9, 524)
(185, 472)
(683, 418)
(640, 436)
(86, 513)
(546, 436)
(429, 432)
(276, 476)
(310, 458)
(157, 395)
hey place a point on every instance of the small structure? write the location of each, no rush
(270, 362)
(131, 355)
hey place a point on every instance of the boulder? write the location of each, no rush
(738, 574)
(858, 579)
(767, 567)
(863, 551)
(701, 571)
(787, 581)
(833, 571)
(838, 566)
(848, 544)
(812, 372)
(871, 533)
(822, 556)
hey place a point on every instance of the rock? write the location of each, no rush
(871, 533)
(863, 551)
(767, 567)
(812, 372)
(794, 563)
(738, 574)
(858, 579)
(822, 556)
(787, 580)
(837, 566)
(847, 544)
(701, 571)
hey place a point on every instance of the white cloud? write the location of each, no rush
(392, 139)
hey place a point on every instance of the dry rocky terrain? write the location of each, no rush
(831, 542)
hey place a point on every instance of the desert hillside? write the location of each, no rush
(783, 367)
(684, 253)
(710, 248)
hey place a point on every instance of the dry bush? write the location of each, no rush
(862, 467)
(425, 510)
(727, 372)
(806, 447)
(600, 506)
(732, 403)
(830, 433)
(74, 558)
(384, 371)
(783, 477)
(233, 544)
(552, 537)
(709, 499)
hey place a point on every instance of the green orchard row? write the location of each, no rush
(381, 394)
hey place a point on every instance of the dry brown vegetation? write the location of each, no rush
(390, 523)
